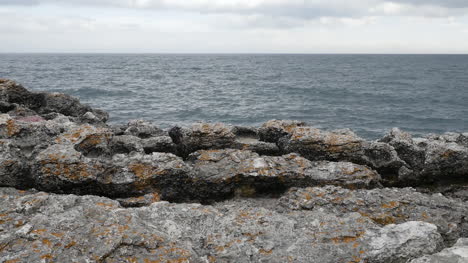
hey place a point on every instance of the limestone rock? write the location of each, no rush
(386, 206)
(143, 129)
(456, 254)
(229, 171)
(435, 158)
(38, 227)
(158, 144)
(273, 130)
(342, 145)
(44, 103)
(202, 136)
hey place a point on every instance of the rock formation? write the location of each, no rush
(76, 189)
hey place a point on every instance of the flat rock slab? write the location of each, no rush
(38, 227)
(386, 206)
(245, 172)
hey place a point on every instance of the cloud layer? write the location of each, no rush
(305, 9)
(297, 26)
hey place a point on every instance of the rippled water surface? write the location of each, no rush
(367, 93)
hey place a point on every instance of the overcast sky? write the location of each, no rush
(234, 26)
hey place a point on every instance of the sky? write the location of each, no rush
(234, 26)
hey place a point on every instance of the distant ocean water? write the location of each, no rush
(367, 93)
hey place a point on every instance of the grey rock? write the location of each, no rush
(143, 129)
(38, 227)
(435, 158)
(405, 241)
(11, 166)
(137, 174)
(273, 130)
(62, 169)
(343, 145)
(253, 144)
(159, 144)
(386, 206)
(227, 172)
(126, 144)
(44, 103)
(202, 136)
(456, 254)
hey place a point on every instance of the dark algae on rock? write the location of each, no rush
(76, 189)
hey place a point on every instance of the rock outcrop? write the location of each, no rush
(76, 189)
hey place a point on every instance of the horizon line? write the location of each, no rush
(224, 53)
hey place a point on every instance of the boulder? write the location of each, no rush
(273, 130)
(202, 136)
(222, 173)
(456, 254)
(62, 169)
(158, 144)
(343, 145)
(431, 159)
(45, 103)
(126, 144)
(143, 129)
(13, 172)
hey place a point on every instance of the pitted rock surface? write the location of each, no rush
(386, 206)
(282, 192)
(37, 226)
(456, 254)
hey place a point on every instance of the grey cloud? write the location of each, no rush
(442, 3)
(305, 9)
(19, 2)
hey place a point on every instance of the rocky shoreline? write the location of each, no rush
(76, 189)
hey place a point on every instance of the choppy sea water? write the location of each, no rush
(367, 93)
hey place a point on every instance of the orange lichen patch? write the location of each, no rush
(227, 245)
(347, 239)
(143, 171)
(122, 228)
(47, 242)
(59, 235)
(107, 205)
(424, 215)
(132, 260)
(54, 166)
(71, 244)
(12, 128)
(206, 155)
(299, 133)
(171, 254)
(155, 197)
(39, 231)
(391, 205)
(19, 223)
(307, 197)
(47, 256)
(350, 170)
(93, 140)
(265, 252)
(355, 260)
(12, 261)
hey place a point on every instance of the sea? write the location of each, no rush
(369, 94)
